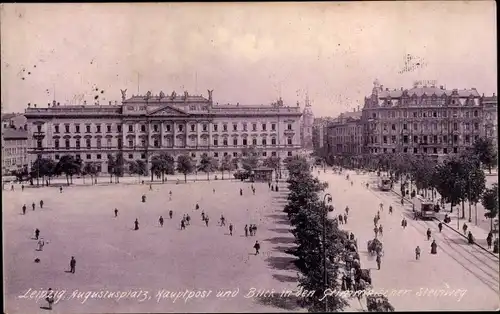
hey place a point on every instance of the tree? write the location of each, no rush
(226, 165)
(162, 165)
(490, 203)
(206, 165)
(249, 160)
(118, 167)
(448, 181)
(138, 167)
(111, 167)
(184, 165)
(91, 169)
(70, 166)
(484, 149)
(378, 303)
(272, 162)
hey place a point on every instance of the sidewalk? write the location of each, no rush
(456, 223)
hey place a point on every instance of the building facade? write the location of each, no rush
(147, 125)
(490, 105)
(319, 135)
(306, 128)
(345, 135)
(14, 149)
(421, 120)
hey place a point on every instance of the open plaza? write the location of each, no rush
(204, 268)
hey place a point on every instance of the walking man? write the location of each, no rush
(33, 205)
(381, 207)
(428, 234)
(170, 196)
(379, 261)
(188, 219)
(197, 206)
(72, 264)
(151, 187)
(440, 226)
(345, 218)
(489, 238)
(24, 209)
(341, 219)
(390, 210)
(206, 221)
(246, 230)
(161, 221)
(254, 229)
(347, 210)
(116, 212)
(22, 187)
(256, 247)
(417, 253)
(464, 228)
(136, 224)
(183, 224)
(50, 298)
(41, 204)
(222, 221)
(241, 192)
(40, 243)
(380, 230)
(230, 229)
(37, 233)
(60, 189)
(170, 213)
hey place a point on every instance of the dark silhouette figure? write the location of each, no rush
(33, 205)
(433, 247)
(116, 212)
(379, 261)
(417, 253)
(136, 224)
(183, 224)
(440, 226)
(206, 220)
(188, 219)
(241, 192)
(246, 230)
(161, 221)
(197, 206)
(50, 298)
(60, 189)
(41, 204)
(489, 239)
(231, 229)
(256, 247)
(170, 214)
(22, 187)
(24, 209)
(428, 234)
(72, 264)
(37, 233)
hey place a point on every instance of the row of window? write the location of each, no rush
(14, 150)
(423, 139)
(7, 162)
(425, 126)
(426, 114)
(156, 127)
(193, 155)
(424, 150)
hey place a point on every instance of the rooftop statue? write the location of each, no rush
(162, 95)
(210, 91)
(186, 95)
(148, 95)
(173, 95)
(124, 94)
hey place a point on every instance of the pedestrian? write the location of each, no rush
(136, 224)
(222, 220)
(40, 244)
(269, 184)
(161, 221)
(347, 210)
(402, 201)
(254, 229)
(375, 220)
(417, 253)
(376, 231)
(12, 187)
(183, 224)
(345, 218)
(253, 191)
(206, 221)
(380, 230)
(440, 226)
(170, 195)
(50, 298)
(60, 189)
(241, 192)
(22, 187)
(379, 261)
(428, 234)
(390, 210)
(72, 264)
(203, 215)
(256, 246)
(403, 223)
(406, 223)
(464, 228)
(246, 230)
(41, 204)
(197, 206)
(37, 233)
(170, 213)
(151, 187)
(341, 219)
(277, 188)
(214, 191)
(33, 205)
(188, 219)
(470, 238)
(381, 206)
(116, 212)
(367, 185)
(230, 229)
(433, 247)
(24, 209)
(489, 238)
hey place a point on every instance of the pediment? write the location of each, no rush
(168, 111)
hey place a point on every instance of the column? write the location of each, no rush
(186, 134)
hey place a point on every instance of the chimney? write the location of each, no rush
(29, 105)
(35, 105)
(110, 102)
(58, 104)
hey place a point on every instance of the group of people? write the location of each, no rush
(252, 230)
(33, 206)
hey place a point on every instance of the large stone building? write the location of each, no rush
(424, 119)
(14, 142)
(146, 125)
(345, 135)
(306, 126)
(490, 105)
(319, 135)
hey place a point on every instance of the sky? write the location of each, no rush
(251, 53)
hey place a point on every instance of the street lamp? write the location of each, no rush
(326, 198)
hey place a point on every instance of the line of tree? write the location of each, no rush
(308, 217)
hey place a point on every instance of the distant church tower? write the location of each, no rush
(307, 125)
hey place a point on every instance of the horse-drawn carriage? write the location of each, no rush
(374, 247)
